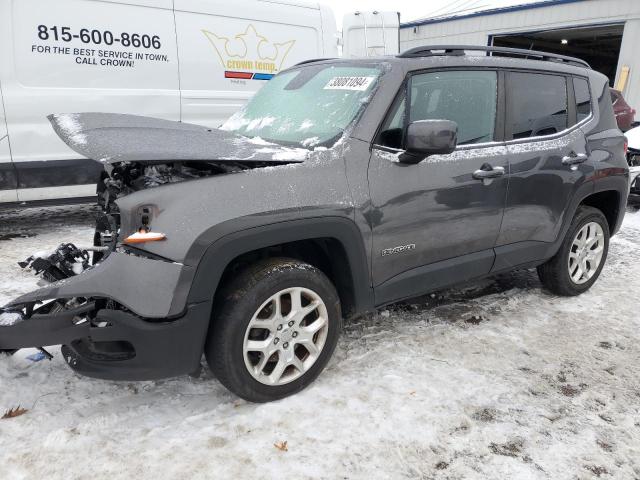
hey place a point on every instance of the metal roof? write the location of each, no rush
(482, 13)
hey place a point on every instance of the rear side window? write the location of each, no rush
(583, 98)
(536, 105)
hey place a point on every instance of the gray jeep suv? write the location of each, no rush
(341, 187)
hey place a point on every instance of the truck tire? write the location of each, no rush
(578, 263)
(274, 328)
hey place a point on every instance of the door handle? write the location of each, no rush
(575, 158)
(487, 171)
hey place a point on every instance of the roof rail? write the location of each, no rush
(313, 60)
(458, 50)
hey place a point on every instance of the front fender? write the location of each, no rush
(234, 243)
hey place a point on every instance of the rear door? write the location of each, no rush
(228, 50)
(548, 155)
(81, 56)
(436, 223)
(8, 178)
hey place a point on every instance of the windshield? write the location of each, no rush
(308, 107)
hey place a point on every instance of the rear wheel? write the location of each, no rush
(581, 257)
(274, 329)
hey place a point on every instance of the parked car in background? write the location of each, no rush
(625, 115)
(342, 186)
(633, 158)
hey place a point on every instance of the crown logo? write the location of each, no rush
(249, 52)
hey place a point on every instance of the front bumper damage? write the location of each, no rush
(120, 320)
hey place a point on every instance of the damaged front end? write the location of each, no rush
(110, 327)
(118, 311)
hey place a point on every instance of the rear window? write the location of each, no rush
(583, 98)
(536, 105)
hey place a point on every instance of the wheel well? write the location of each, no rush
(326, 254)
(608, 202)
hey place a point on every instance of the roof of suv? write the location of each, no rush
(455, 55)
(459, 50)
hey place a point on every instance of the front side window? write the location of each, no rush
(392, 131)
(468, 98)
(583, 98)
(536, 105)
(308, 107)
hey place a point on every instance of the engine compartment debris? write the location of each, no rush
(65, 261)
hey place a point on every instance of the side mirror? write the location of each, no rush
(429, 137)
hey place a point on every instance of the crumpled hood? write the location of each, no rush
(114, 138)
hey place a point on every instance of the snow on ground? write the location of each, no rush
(498, 380)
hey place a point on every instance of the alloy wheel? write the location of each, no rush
(586, 253)
(285, 336)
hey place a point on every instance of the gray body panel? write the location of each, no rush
(437, 206)
(540, 187)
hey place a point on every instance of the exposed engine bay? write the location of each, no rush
(118, 180)
(128, 177)
(124, 178)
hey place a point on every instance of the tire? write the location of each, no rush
(250, 300)
(555, 273)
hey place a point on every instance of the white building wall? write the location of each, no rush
(477, 30)
(630, 56)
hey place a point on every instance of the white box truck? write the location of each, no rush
(196, 61)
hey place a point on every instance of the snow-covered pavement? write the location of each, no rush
(499, 380)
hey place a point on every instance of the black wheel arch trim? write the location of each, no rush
(615, 183)
(202, 285)
(619, 184)
(532, 253)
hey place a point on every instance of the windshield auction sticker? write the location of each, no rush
(349, 83)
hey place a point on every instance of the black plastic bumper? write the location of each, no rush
(124, 347)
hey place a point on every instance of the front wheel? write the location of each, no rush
(581, 257)
(274, 329)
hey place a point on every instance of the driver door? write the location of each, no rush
(435, 223)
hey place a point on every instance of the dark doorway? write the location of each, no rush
(598, 45)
